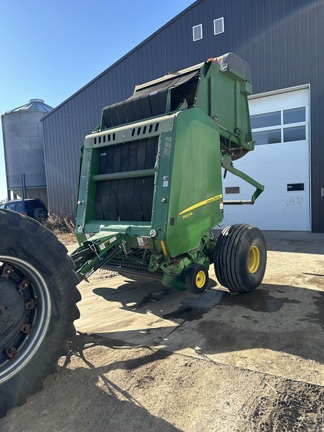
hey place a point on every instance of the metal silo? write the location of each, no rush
(23, 144)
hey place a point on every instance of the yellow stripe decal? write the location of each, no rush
(202, 203)
(165, 253)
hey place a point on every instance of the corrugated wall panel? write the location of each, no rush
(282, 40)
(316, 67)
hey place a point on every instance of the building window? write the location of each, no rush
(279, 126)
(218, 26)
(295, 115)
(197, 32)
(266, 120)
(272, 136)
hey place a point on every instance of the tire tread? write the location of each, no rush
(226, 261)
(42, 248)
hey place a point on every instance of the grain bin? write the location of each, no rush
(23, 143)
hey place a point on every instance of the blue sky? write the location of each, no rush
(50, 49)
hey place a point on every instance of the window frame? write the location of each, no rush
(282, 126)
(200, 26)
(215, 22)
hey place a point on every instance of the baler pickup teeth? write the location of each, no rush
(95, 253)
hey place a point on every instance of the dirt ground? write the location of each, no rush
(146, 358)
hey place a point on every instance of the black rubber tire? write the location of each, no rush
(40, 214)
(196, 278)
(38, 299)
(234, 248)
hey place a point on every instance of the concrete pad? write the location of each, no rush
(277, 329)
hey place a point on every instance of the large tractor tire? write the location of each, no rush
(240, 258)
(38, 299)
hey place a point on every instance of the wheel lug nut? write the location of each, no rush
(24, 284)
(26, 328)
(11, 352)
(31, 304)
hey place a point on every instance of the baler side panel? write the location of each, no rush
(162, 184)
(87, 187)
(196, 183)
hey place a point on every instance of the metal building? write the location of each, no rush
(283, 41)
(23, 141)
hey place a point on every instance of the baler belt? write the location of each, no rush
(138, 185)
(125, 186)
(150, 101)
(126, 199)
(147, 194)
(110, 189)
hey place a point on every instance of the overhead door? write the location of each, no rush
(280, 161)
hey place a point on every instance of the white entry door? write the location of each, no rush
(280, 161)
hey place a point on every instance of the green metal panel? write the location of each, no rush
(87, 186)
(162, 183)
(196, 184)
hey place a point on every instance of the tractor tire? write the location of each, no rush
(38, 299)
(196, 278)
(240, 258)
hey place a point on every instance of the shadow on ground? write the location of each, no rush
(86, 398)
(275, 317)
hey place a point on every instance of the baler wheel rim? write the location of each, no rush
(196, 278)
(254, 259)
(201, 279)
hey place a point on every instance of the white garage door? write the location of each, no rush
(280, 161)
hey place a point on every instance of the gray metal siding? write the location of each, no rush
(282, 40)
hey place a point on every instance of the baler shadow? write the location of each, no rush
(273, 317)
(143, 294)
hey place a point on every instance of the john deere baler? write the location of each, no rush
(150, 187)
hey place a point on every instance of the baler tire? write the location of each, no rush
(38, 297)
(240, 258)
(196, 278)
